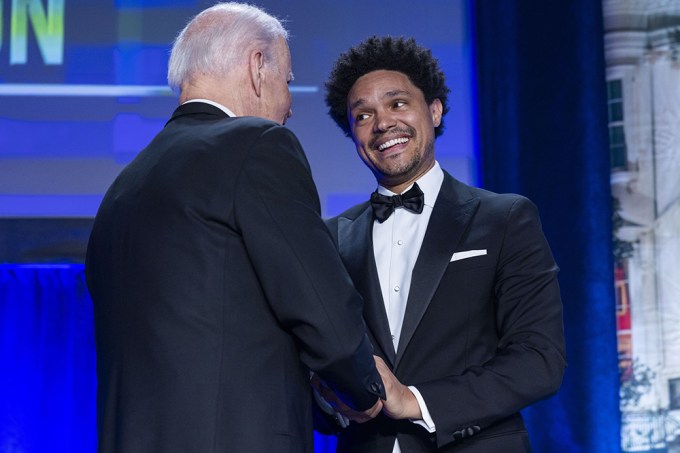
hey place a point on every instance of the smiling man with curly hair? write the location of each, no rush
(460, 287)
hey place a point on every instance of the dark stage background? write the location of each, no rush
(529, 116)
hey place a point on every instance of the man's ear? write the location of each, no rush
(255, 64)
(436, 109)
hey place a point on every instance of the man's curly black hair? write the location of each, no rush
(392, 54)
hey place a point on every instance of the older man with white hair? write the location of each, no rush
(216, 285)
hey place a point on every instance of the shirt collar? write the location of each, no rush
(429, 183)
(214, 104)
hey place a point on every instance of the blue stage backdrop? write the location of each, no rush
(47, 360)
(83, 90)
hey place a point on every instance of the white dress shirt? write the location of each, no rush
(396, 245)
(214, 104)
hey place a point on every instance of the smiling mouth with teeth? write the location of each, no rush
(390, 143)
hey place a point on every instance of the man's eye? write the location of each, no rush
(361, 116)
(398, 104)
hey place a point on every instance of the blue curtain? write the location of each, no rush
(542, 130)
(47, 360)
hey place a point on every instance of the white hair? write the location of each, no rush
(219, 39)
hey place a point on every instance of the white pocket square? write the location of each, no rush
(468, 254)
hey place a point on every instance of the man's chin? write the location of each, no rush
(397, 170)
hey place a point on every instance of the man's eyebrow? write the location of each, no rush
(395, 93)
(358, 103)
(389, 94)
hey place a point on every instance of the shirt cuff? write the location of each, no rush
(426, 421)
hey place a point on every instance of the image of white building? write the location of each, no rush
(642, 51)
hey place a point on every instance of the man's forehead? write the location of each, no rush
(383, 77)
(380, 84)
(283, 50)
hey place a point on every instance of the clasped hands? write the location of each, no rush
(400, 403)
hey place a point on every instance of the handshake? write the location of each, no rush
(400, 402)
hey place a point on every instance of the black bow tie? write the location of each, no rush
(384, 205)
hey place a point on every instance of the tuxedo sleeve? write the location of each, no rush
(530, 359)
(308, 289)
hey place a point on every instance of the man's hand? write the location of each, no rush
(331, 398)
(400, 402)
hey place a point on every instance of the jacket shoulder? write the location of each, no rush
(350, 213)
(486, 197)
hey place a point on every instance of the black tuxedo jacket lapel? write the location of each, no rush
(355, 239)
(450, 217)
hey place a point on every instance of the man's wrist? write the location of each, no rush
(410, 405)
(425, 419)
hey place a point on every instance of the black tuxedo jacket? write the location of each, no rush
(482, 335)
(216, 287)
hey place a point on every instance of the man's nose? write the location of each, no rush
(384, 121)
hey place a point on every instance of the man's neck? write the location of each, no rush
(401, 186)
(217, 91)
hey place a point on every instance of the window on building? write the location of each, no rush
(617, 136)
(674, 393)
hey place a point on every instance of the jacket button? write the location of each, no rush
(376, 387)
